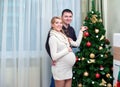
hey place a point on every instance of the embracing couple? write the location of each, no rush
(61, 38)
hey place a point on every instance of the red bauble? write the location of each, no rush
(101, 67)
(76, 59)
(118, 84)
(86, 18)
(86, 34)
(107, 41)
(88, 44)
(97, 75)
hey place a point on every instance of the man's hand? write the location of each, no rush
(70, 39)
(53, 62)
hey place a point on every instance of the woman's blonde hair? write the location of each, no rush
(53, 21)
(54, 18)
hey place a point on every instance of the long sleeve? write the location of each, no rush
(78, 41)
(53, 49)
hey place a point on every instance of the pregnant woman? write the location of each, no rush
(61, 52)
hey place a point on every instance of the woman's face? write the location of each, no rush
(57, 25)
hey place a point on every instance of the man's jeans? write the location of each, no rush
(52, 83)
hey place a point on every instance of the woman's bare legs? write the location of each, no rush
(59, 83)
(68, 83)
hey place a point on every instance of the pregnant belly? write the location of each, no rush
(69, 59)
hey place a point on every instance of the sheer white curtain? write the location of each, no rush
(20, 45)
(24, 25)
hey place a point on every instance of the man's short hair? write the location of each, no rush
(66, 10)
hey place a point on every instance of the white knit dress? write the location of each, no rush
(65, 60)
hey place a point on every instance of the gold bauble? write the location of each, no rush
(86, 73)
(96, 30)
(84, 37)
(83, 58)
(106, 56)
(80, 85)
(109, 85)
(108, 75)
(100, 48)
(94, 19)
(92, 55)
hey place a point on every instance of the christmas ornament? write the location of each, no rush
(106, 56)
(92, 55)
(118, 84)
(101, 67)
(97, 36)
(97, 75)
(91, 61)
(92, 12)
(80, 85)
(109, 85)
(101, 44)
(108, 75)
(88, 44)
(86, 34)
(83, 58)
(101, 55)
(94, 19)
(86, 73)
(100, 20)
(77, 59)
(96, 30)
(86, 18)
(73, 77)
(103, 83)
(93, 82)
(102, 37)
(84, 37)
(107, 41)
(100, 48)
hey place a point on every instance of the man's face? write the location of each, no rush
(67, 17)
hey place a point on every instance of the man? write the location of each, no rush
(66, 16)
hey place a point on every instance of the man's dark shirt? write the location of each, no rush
(70, 32)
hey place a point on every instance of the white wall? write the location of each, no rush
(113, 26)
(113, 18)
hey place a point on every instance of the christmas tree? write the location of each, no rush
(94, 61)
